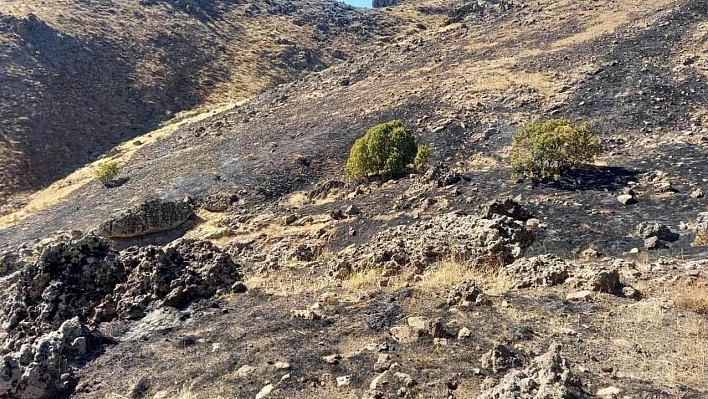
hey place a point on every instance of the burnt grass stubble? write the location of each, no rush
(581, 210)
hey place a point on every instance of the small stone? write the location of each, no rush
(245, 371)
(404, 378)
(332, 359)
(697, 193)
(290, 219)
(425, 326)
(380, 380)
(329, 298)
(609, 392)
(265, 391)
(630, 292)
(584, 295)
(626, 199)
(239, 288)
(464, 333)
(653, 243)
(282, 366)
(344, 380)
(403, 334)
(383, 363)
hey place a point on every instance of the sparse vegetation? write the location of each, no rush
(422, 157)
(107, 171)
(544, 150)
(694, 299)
(386, 149)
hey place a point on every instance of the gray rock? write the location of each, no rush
(626, 199)
(504, 207)
(597, 279)
(548, 376)
(465, 295)
(46, 368)
(650, 229)
(152, 216)
(500, 358)
(421, 244)
(538, 271)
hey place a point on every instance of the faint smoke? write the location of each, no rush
(179, 185)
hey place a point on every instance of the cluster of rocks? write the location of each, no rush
(587, 279)
(75, 285)
(546, 376)
(450, 236)
(655, 235)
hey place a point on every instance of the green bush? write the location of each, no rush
(107, 171)
(422, 158)
(386, 149)
(543, 150)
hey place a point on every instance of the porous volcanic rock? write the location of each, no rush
(76, 284)
(152, 216)
(505, 207)
(45, 368)
(500, 358)
(452, 235)
(173, 276)
(538, 271)
(547, 376)
(68, 280)
(465, 295)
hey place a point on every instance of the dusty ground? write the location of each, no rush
(636, 71)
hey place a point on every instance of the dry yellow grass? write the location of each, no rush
(694, 299)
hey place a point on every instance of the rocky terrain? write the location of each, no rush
(234, 259)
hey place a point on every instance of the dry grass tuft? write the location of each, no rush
(694, 299)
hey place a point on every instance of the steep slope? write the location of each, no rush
(360, 289)
(80, 77)
(463, 87)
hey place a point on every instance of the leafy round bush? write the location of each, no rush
(422, 157)
(543, 150)
(386, 149)
(107, 171)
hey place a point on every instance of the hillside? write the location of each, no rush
(236, 260)
(83, 76)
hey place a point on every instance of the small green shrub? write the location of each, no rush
(107, 171)
(543, 150)
(422, 158)
(386, 149)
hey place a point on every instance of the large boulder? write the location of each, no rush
(152, 216)
(45, 368)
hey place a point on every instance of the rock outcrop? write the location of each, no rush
(547, 376)
(449, 236)
(76, 284)
(152, 216)
(42, 369)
